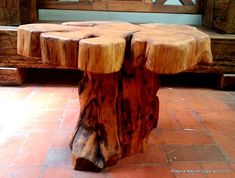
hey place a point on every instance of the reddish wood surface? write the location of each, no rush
(121, 63)
(117, 114)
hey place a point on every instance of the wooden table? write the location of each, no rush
(121, 64)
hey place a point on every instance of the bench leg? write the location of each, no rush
(12, 76)
(118, 112)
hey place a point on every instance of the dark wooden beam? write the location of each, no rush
(160, 1)
(208, 12)
(224, 15)
(16, 12)
(8, 40)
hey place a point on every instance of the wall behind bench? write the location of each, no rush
(73, 15)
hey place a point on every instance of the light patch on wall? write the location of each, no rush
(73, 15)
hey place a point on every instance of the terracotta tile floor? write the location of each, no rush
(195, 135)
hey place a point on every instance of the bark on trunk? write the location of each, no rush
(118, 111)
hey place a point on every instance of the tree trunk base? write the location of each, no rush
(118, 112)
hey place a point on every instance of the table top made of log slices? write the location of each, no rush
(102, 46)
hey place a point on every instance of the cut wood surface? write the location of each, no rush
(28, 37)
(100, 47)
(173, 48)
(222, 46)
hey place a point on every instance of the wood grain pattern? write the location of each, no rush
(118, 111)
(220, 15)
(224, 16)
(8, 41)
(100, 47)
(220, 49)
(16, 12)
(180, 47)
(28, 37)
(9, 16)
(34, 11)
(66, 44)
(222, 46)
(11, 76)
(26, 62)
(208, 13)
(119, 106)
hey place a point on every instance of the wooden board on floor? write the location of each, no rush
(227, 81)
(12, 76)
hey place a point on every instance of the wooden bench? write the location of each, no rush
(217, 18)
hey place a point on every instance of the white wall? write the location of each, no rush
(72, 15)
